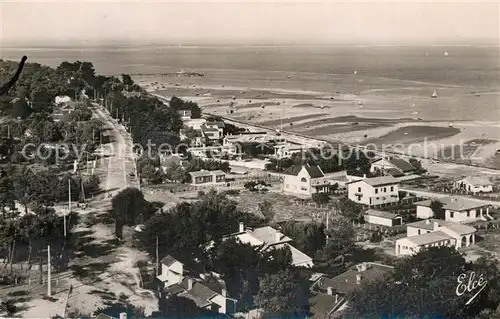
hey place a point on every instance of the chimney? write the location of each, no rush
(329, 291)
(123, 315)
(364, 175)
(224, 292)
(358, 279)
(435, 225)
(242, 227)
(363, 267)
(336, 298)
(427, 222)
(278, 236)
(190, 283)
(203, 277)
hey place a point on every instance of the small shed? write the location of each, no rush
(379, 217)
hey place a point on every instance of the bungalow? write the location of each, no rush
(205, 177)
(455, 209)
(211, 133)
(374, 191)
(474, 184)
(393, 166)
(208, 292)
(432, 233)
(283, 150)
(329, 294)
(304, 180)
(270, 238)
(378, 217)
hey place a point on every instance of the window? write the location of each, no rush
(359, 189)
(376, 190)
(452, 214)
(304, 189)
(392, 188)
(377, 198)
(468, 213)
(385, 189)
(419, 231)
(370, 201)
(303, 179)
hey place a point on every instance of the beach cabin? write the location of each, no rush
(378, 217)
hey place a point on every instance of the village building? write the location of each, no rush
(474, 184)
(205, 177)
(304, 181)
(270, 238)
(329, 294)
(374, 191)
(195, 124)
(434, 233)
(208, 292)
(393, 166)
(283, 150)
(456, 209)
(378, 217)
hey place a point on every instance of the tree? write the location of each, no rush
(178, 307)
(437, 208)
(424, 286)
(284, 293)
(308, 237)
(266, 209)
(82, 112)
(340, 241)
(178, 104)
(321, 198)
(130, 208)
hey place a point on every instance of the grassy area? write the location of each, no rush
(415, 134)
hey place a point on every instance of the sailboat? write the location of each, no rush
(434, 94)
(445, 53)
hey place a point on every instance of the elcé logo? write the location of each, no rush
(470, 285)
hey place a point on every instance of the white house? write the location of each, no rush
(474, 184)
(304, 180)
(378, 217)
(207, 294)
(283, 150)
(455, 209)
(374, 191)
(434, 232)
(271, 238)
(171, 271)
(394, 166)
(185, 115)
(205, 177)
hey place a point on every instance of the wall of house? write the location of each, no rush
(377, 220)
(170, 278)
(462, 217)
(404, 247)
(221, 301)
(424, 212)
(294, 184)
(377, 194)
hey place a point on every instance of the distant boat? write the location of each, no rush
(450, 124)
(434, 94)
(355, 72)
(446, 53)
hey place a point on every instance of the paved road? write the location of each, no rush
(120, 160)
(426, 193)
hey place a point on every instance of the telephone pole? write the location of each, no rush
(49, 287)
(69, 205)
(156, 256)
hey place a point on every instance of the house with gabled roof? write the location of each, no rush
(394, 166)
(208, 291)
(269, 238)
(474, 184)
(455, 209)
(304, 181)
(374, 191)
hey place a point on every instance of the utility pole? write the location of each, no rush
(69, 205)
(157, 262)
(49, 287)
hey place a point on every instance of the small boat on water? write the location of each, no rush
(450, 125)
(434, 94)
(446, 53)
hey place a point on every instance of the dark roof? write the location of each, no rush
(322, 304)
(219, 124)
(204, 128)
(346, 281)
(402, 165)
(379, 181)
(394, 172)
(168, 260)
(313, 171)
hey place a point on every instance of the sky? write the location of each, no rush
(326, 22)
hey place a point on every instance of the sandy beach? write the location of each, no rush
(395, 116)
